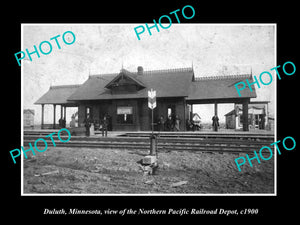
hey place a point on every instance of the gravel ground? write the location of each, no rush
(101, 171)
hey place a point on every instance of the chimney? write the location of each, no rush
(140, 70)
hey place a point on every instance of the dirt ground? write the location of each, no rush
(105, 171)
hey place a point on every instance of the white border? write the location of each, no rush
(163, 194)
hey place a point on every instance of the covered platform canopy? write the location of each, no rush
(221, 89)
(57, 95)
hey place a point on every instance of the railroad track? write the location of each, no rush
(205, 135)
(199, 135)
(220, 144)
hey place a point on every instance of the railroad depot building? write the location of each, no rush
(123, 97)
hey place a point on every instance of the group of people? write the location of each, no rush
(191, 126)
(103, 126)
(62, 123)
(172, 123)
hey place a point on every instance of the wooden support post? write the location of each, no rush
(245, 116)
(216, 109)
(267, 117)
(184, 114)
(65, 112)
(137, 115)
(54, 116)
(42, 122)
(237, 116)
(61, 111)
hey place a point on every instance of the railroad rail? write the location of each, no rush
(205, 135)
(201, 135)
(219, 143)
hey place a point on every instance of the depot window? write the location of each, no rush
(125, 115)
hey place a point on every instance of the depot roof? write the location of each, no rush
(58, 95)
(219, 87)
(167, 83)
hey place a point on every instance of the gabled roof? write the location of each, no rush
(232, 112)
(28, 111)
(219, 87)
(58, 95)
(167, 83)
(127, 75)
(196, 115)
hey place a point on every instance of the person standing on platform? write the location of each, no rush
(60, 123)
(72, 122)
(173, 121)
(263, 122)
(64, 123)
(177, 122)
(215, 122)
(87, 124)
(104, 126)
(168, 124)
(161, 123)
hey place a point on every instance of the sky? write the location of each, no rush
(212, 50)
